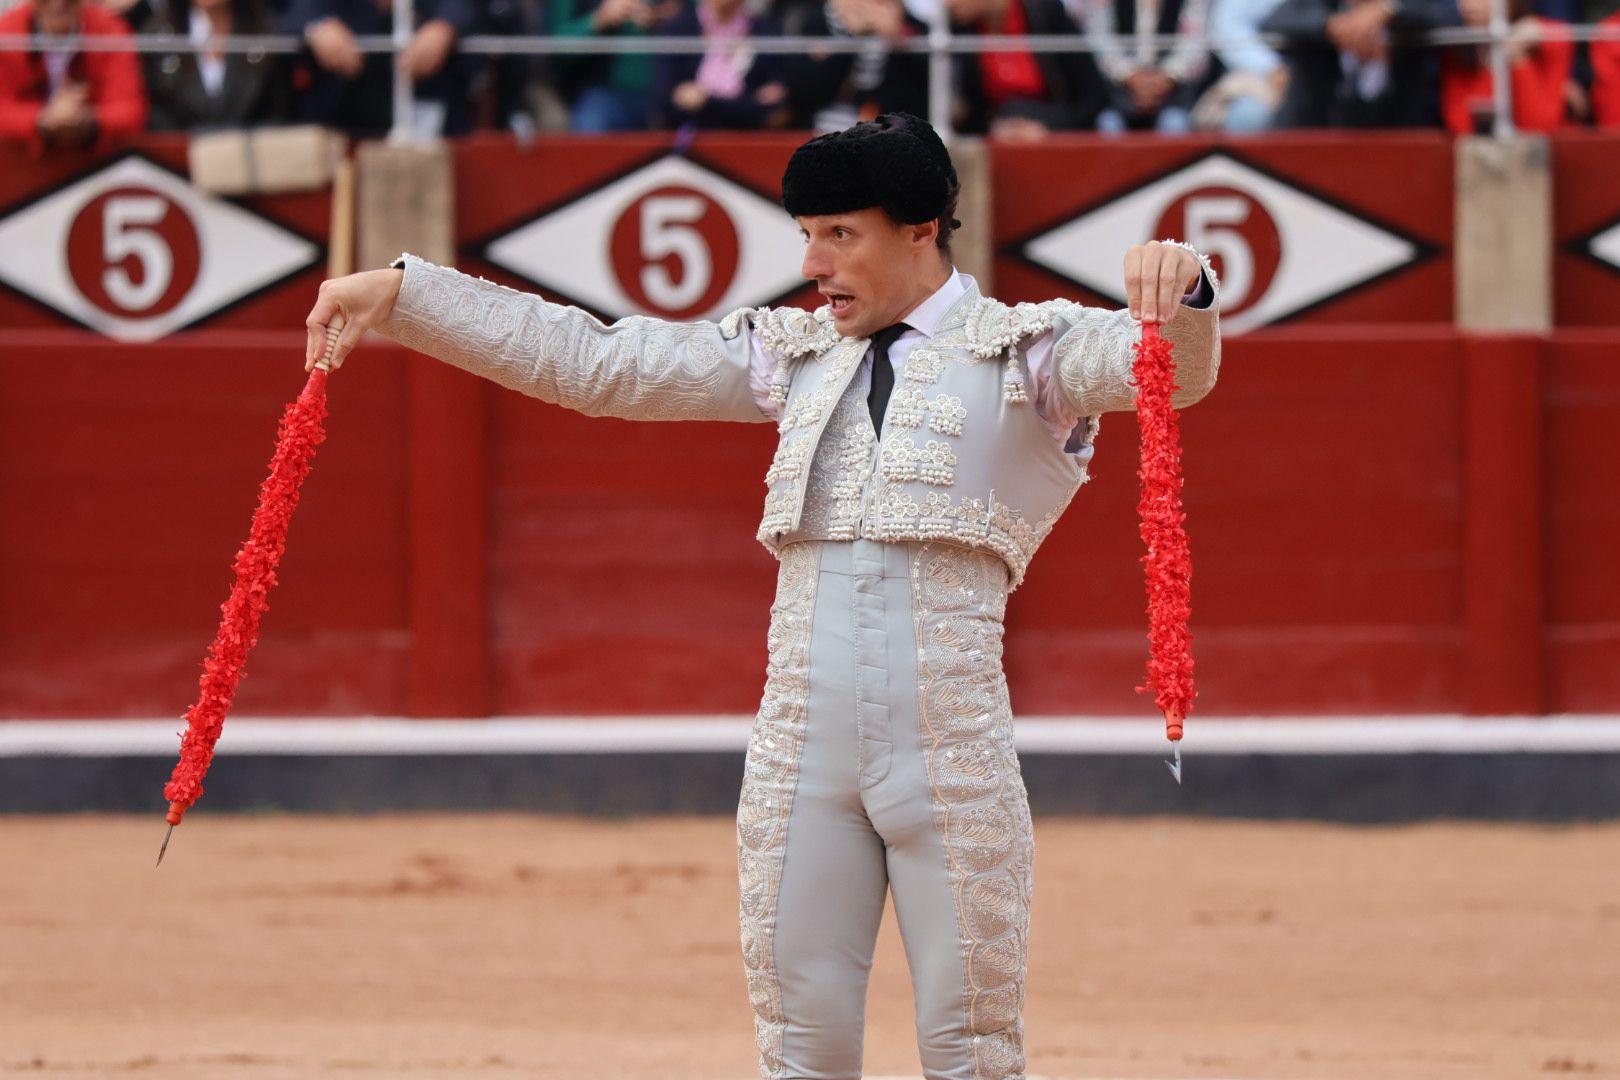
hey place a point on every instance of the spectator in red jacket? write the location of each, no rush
(1539, 70)
(64, 97)
(1606, 78)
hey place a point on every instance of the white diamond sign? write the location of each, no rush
(1606, 245)
(135, 252)
(672, 239)
(1278, 249)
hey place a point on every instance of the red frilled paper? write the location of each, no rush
(300, 432)
(1168, 560)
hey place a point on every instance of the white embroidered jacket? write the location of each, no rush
(963, 457)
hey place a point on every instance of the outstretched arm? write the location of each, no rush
(1094, 348)
(637, 369)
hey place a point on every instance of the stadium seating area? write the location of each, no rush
(1337, 63)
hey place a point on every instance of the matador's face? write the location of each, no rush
(871, 269)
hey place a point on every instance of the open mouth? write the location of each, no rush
(839, 302)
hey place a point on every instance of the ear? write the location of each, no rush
(925, 234)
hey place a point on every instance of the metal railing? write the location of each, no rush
(940, 44)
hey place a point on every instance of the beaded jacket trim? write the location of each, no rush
(976, 330)
(791, 333)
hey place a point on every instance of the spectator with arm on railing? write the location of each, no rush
(354, 91)
(1150, 88)
(67, 97)
(1539, 71)
(729, 87)
(1359, 63)
(207, 87)
(1024, 95)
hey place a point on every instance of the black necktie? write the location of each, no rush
(877, 400)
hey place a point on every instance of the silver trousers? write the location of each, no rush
(882, 760)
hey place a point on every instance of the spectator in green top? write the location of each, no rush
(609, 92)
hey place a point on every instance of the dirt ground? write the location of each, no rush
(291, 947)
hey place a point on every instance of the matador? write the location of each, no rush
(930, 438)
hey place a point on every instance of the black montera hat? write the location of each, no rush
(895, 162)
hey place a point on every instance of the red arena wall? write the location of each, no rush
(1387, 515)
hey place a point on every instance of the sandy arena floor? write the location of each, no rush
(290, 948)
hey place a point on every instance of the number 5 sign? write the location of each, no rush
(1277, 248)
(671, 239)
(135, 252)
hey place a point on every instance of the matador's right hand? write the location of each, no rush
(363, 299)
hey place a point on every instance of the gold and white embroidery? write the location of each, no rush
(980, 806)
(770, 775)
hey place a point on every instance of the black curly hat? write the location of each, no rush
(895, 162)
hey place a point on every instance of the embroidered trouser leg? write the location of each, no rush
(882, 758)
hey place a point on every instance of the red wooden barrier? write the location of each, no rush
(1502, 533)
(1586, 229)
(1582, 521)
(1386, 516)
(129, 474)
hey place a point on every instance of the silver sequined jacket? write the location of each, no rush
(964, 457)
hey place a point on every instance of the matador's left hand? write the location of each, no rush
(1157, 278)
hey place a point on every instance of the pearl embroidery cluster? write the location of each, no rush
(782, 489)
(801, 425)
(933, 463)
(808, 411)
(994, 328)
(1012, 380)
(853, 462)
(906, 409)
(789, 461)
(992, 525)
(790, 333)
(924, 366)
(946, 413)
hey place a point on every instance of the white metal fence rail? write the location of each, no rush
(940, 44)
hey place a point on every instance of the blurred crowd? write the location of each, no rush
(1340, 63)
